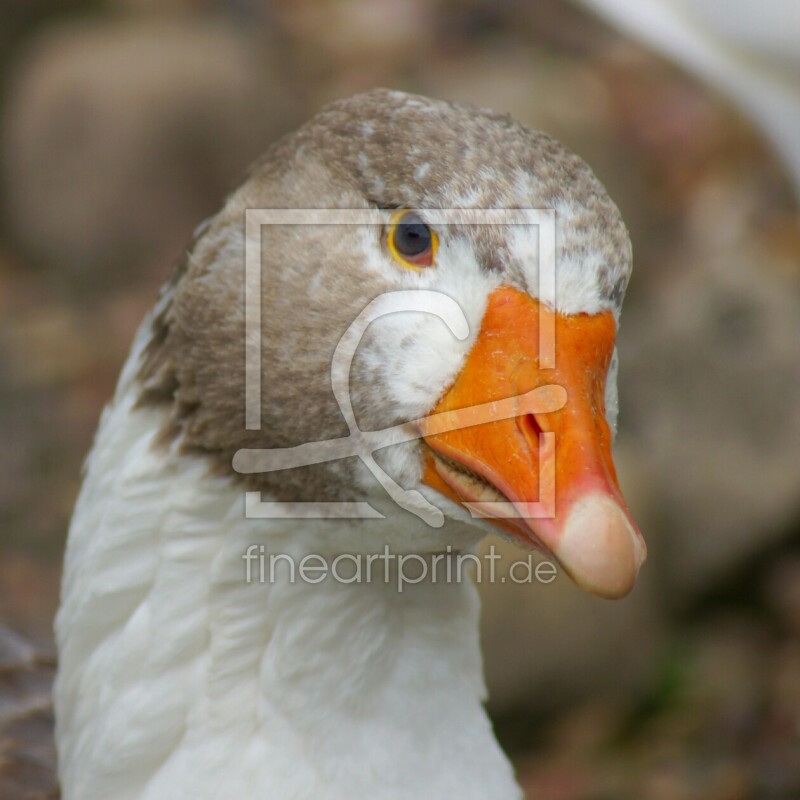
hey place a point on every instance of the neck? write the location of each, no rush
(178, 677)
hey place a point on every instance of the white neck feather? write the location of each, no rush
(180, 679)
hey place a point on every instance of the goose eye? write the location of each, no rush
(411, 241)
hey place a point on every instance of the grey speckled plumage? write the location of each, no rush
(381, 149)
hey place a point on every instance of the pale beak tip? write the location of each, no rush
(599, 548)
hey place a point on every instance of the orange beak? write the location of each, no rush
(548, 478)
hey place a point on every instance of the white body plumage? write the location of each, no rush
(197, 684)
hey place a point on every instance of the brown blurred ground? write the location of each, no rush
(124, 124)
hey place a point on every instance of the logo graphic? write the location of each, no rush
(363, 444)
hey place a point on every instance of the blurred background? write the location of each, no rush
(123, 124)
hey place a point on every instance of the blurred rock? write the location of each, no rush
(709, 382)
(163, 6)
(121, 136)
(354, 45)
(544, 644)
(782, 594)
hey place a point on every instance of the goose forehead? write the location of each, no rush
(389, 149)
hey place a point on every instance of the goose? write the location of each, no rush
(179, 675)
(749, 51)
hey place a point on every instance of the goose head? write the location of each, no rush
(410, 160)
(409, 362)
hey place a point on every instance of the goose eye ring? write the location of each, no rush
(411, 241)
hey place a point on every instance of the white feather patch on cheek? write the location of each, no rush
(416, 354)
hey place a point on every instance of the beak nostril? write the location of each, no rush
(532, 423)
(530, 428)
